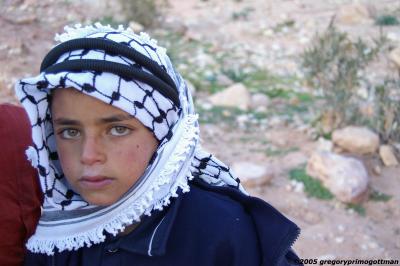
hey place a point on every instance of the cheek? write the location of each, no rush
(68, 157)
(133, 159)
(130, 155)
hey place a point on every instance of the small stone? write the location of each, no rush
(311, 217)
(354, 14)
(324, 145)
(261, 109)
(268, 32)
(226, 113)
(276, 121)
(191, 35)
(24, 19)
(298, 186)
(242, 119)
(393, 36)
(4, 46)
(326, 257)
(259, 100)
(206, 106)
(373, 245)
(253, 175)
(236, 95)
(223, 80)
(395, 56)
(387, 155)
(359, 140)
(341, 228)
(377, 170)
(339, 239)
(304, 40)
(176, 25)
(135, 26)
(398, 243)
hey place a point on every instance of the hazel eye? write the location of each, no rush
(120, 131)
(70, 133)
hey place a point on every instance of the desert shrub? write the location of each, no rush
(386, 118)
(334, 64)
(144, 12)
(379, 196)
(386, 20)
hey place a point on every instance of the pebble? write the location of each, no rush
(377, 170)
(339, 239)
(393, 36)
(373, 245)
(4, 46)
(326, 257)
(341, 227)
(206, 106)
(298, 187)
(241, 119)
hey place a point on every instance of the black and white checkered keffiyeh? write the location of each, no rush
(68, 222)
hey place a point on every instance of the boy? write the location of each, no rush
(124, 178)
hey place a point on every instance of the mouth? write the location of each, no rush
(95, 182)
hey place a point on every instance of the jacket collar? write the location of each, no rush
(150, 237)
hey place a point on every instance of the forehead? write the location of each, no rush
(70, 103)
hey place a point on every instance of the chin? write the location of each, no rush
(104, 202)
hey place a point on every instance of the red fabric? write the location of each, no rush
(20, 194)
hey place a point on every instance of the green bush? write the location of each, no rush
(334, 64)
(379, 196)
(386, 118)
(144, 12)
(386, 20)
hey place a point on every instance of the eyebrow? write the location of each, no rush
(105, 120)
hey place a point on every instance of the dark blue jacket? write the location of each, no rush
(207, 226)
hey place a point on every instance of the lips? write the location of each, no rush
(95, 182)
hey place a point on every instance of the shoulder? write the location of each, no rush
(214, 229)
(218, 211)
(249, 225)
(214, 218)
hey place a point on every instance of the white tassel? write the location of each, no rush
(32, 156)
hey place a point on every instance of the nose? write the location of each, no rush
(92, 151)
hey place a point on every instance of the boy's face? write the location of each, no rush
(102, 149)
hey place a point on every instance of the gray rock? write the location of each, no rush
(354, 14)
(345, 177)
(395, 57)
(259, 100)
(135, 26)
(253, 175)
(324, 145)
(223, 80)
(387, 155)
(236, 95)
(359, 140)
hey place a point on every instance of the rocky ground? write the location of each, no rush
(218, 44)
